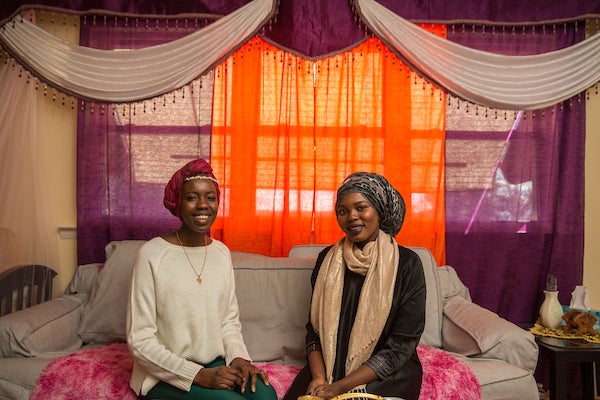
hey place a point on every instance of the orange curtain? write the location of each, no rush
(287, 131)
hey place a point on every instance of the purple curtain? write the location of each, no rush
(120, 175)
(529, 223)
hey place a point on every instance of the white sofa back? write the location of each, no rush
(273, 295)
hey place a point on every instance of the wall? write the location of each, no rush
(591, 269)
(57, 151)
(57, 125)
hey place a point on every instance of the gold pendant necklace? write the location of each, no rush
(198, 275)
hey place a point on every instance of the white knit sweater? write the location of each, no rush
(175, 325)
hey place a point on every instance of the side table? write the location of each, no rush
(564, 351)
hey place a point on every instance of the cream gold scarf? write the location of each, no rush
(378, 262)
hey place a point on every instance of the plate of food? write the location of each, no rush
(574, 317)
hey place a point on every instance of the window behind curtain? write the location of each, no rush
(287, 131)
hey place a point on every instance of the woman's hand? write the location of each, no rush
(249, 372)
(361, 376)
(314, 384)
(219, 378)
(327, 391)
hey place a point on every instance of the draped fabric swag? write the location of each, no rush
(124, 76)
(491, 79)
(488, 79)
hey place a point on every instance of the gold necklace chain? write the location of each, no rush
(198, 275)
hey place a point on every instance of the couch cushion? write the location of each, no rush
(104, 315)
(46, 327)
(456, 340)
(83, 279)
(273, 306)
(500, 380)
(18, 376)
(495, 336)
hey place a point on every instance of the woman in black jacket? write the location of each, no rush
(368, 304)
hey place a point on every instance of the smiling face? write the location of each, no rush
(357, 218)
(199, 204)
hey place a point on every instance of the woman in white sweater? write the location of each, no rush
(183, 318)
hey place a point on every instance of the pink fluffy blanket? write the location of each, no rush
(102, 373)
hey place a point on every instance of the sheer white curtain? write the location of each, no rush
(23, 207)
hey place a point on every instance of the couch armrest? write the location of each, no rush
(83, 279)
(46, 327)
(496, 337)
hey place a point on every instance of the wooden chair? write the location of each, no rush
(24, 286)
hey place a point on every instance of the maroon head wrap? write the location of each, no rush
(194, 168)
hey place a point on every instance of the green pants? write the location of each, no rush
(164, 391)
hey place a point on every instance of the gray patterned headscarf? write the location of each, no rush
(386, 200)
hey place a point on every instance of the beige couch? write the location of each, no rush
(273, 295)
